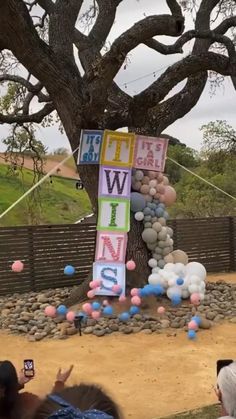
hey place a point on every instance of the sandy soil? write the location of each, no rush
(150, 376)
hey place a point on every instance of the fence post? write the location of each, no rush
(232, 240)
(31, 258)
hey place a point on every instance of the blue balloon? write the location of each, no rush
(147, 211)
(161, 205)
(197, 320)
(82, 314)
(96, 305)
(149, 205)
(61, 310)
(137, 202)
(69, 270)
(108, 311)
(166, 215)
(152, 213)
(179, 281)
(176, 300)
(148, 290)
(124, 317)
(159, 212)
(153, 205)
(192, 334)
(134, 310)
(158, 290)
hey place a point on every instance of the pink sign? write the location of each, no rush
(150, 153)
(111, 247)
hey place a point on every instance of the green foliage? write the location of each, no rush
(60, 201)
(185, 156)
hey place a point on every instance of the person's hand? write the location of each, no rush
(22, 379)
(63, 376)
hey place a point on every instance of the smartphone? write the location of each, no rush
(29, 368)
(221, 363)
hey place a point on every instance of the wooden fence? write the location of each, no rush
(46, 250)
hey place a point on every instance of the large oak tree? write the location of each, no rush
(43, 37)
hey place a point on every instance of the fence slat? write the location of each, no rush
(46, 249)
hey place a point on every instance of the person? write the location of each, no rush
(226, 391)
(21, 405)
(79, 402)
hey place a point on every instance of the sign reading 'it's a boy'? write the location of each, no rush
(117, 153)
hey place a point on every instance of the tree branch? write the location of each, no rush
(36, 117)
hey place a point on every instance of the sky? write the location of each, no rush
(143, 63)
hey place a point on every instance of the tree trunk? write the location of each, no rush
(136, 248)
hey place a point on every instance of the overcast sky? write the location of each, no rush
(144, 61)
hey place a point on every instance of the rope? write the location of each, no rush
(202, 179)
(37, 184)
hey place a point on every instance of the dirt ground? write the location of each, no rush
(150, 376)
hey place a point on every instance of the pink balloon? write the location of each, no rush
(195, 299)
(105, 303)
(169, 195)
(136, 300)
(70, 316)
(160, 177)
(134, 292)
(87, 308)
(152, 175)
(91, 294)
(50, 311)
(93, 285)
(17, 266)
(161, 310)
(122, 298)
(116, 289)
(130, 265)
(161, 189)
(192, 325)
(95, 315)
(165, 180)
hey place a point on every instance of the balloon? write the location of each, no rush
(50, 311)
(134, 310)
(139, 216)
(95, 315)
(180, 257)
(165, 180)
(108, 311)
(70, 316)
(96, 305)
(69, 270)
(145, 180)
(176, 300)
(192, 325)
(197, 320)
(144, 189)
(152, 191)
(91, 294)
(105, 303)
(61, 310)
(122, 298)
(154, 279)
(17, 266)
(195, 299)
(180, 269)
(139, 175)
(117, 289)
(124, 317)
(192, 334)
(157, 227)
(161, 310)
(130, 265)
(158, 290)
(195, 268)
(153, 183)
(136, 300)
(95, 284)
(149, 235)
(152, 263)
(134, 292)
(137, 202)
(169, 196)
(87, 308)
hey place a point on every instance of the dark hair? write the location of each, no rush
(83, 396)
(9, 408)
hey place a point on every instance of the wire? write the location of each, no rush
(201, 178)
(38, 183)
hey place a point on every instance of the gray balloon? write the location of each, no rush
(149, 235)
(137, 202)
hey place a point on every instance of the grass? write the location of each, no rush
(60, 201)
(209, 412)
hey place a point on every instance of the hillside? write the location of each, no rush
(60, 201)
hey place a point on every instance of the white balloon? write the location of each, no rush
(201, 296)
(169, 267)
(195, 268)
(171, 282)
(202, 287)
(139, 216)
(180, 269)
(193, 288)
(152, 263)
(185, 293)
(173, 291)
(155, 270)
(194, 279)
(154, 279)
(152, 191)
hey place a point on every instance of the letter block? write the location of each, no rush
(113, 214)
(150, 153)
(111, 247)
(90, 145)
(110, 274)
(114, 181)
(117, 149)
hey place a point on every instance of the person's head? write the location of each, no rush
(8, 389)
(78, 399)
(226, 383)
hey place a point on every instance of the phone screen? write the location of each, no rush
(221, 363)
(29, 368)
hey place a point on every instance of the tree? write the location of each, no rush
(38, 39)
